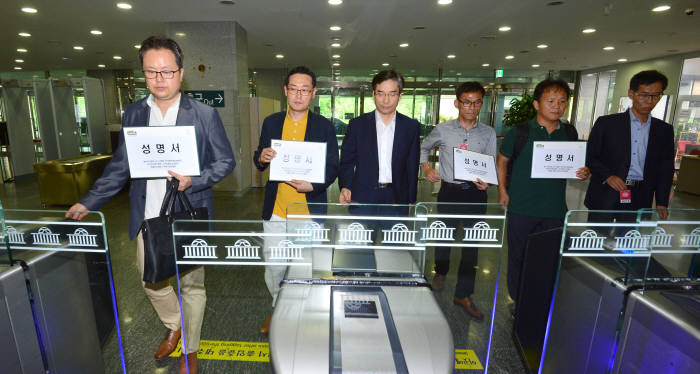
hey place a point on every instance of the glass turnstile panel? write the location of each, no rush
(222, 325)
(604, 256)
(5, 258)
(467, 241)
(69, 278)
(675, 246)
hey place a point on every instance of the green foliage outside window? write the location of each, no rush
(521, 110)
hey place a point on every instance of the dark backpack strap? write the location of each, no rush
(571, 132)
(522, 132)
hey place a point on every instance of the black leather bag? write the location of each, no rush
(157, 232)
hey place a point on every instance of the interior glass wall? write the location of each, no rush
(687, 117)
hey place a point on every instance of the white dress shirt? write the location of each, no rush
(385, 146)
(155, 188)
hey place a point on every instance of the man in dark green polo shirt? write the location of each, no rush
(534, 204)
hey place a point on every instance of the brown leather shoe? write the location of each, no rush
(265, 327)
(438, 282)
(191, 364)
(469, 307)
(167, 346)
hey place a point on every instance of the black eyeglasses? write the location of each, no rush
(165, 74)
(467, 103)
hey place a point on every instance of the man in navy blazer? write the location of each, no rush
(631, 151)
(161, 60)
(380, 151)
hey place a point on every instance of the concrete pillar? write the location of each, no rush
(216, 59)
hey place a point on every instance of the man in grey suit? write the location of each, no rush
(161, 61)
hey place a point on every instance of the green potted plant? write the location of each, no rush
(521, 110)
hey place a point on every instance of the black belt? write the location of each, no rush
(633, 183)
(461, 186)
(383, 185)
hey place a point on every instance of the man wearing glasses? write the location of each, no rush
(464, 132)
(630, 154)
(161, 61)
(300, 124)
(379, 155)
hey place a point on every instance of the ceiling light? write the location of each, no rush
(335, 28)
(117, 57)
(124, 6)
(279, 56)
(336, 64)
(78, 48)
(485, 65)
(179, 34)
(542, 46)
(21, 50)
(661, 8)
(504, 28)
(588, 31)
(18, 68)
(621, 60)
(608, 48)
(403, 45)
(335, 2)
(535, 65)
(444, 2)
(25, 34)
(101, 66)
(451, 56)
(385, 64)
(336, 56)
(29, 10)
(19, 60)
(95, 32)
(510, 57)
(137, 46)
(335, 45)
(458, 74)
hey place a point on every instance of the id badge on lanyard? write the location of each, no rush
(625, 197)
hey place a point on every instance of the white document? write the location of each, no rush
(298, 160)
(154, 150)
(557, 159)
(470, 165)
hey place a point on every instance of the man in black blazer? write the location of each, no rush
(298, 123)
(631, 151)
(379, 155)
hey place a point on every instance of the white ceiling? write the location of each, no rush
(372, 31)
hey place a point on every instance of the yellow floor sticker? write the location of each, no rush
(465, 359)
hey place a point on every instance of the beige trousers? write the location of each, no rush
(164, 300)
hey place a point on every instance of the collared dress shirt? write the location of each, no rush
(385, 146)
(640, 138)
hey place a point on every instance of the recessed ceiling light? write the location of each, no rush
(21, 50)
(29, 10)
(588, 30)
(101, 66)
(510, 57)
(504, 28)
(403, 45)
(19, 60)
(451, 56)
(95, 32)
(336, 64)
(335, 2)
(117, 57)
(335, 45)
(65, 58)
(661, 8)
(335, 28)
(542, 46)
(78, 48)
(385, 64)
(18, 68)
(124, 6)
(179, 34)
(336, 56)
(621, 60)
(25, 34)
(137, 46)
(485, 65)
(535, 65)
(444, 2)
(608, 48)
(279, 56)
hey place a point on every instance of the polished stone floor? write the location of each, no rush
(238, 300)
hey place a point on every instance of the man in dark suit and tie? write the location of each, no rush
(379, 155)
(630, 154)
(161, 61)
